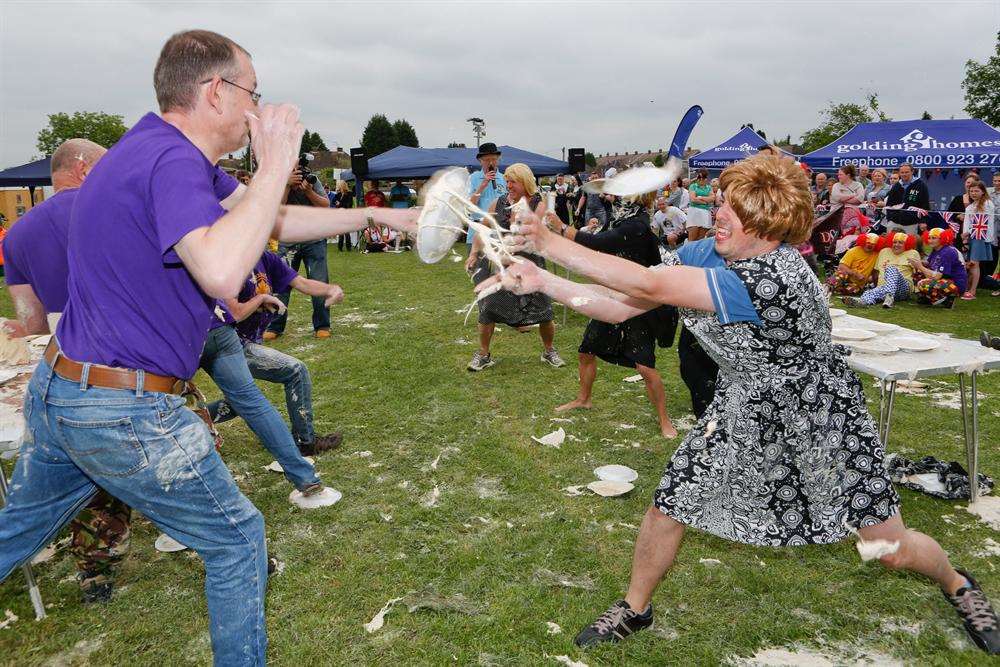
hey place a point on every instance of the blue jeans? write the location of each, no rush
(270, 365)
(223, 360)
(157, 456)
(314, 256)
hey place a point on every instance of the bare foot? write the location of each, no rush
(668, 430)
(575, 405)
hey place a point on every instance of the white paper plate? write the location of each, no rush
(40, 341)
(438, 226)
(167, 544)
(872, 346)
(837, 312)
(880, 327)
(914, 343)
(616, 473)
(847, 333)
(639, 180)
(274, 466)
(328, 496)
(609, 489)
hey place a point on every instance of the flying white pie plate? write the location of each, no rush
(837, 312)
(852, 334)
(872, 346)
(439, 226)
(914, 344)
(608, 488)
(616, 473)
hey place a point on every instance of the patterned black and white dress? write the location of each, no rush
(505, 307)
(787, 453)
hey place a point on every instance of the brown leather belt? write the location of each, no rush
(108, 377)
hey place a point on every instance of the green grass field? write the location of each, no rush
(473, 564)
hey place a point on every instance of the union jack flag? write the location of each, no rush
(952, 221)
(979, 226)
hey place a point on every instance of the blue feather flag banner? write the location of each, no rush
(684, 129)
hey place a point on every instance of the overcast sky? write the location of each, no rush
(610, 76)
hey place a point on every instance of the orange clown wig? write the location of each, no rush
(944, 236)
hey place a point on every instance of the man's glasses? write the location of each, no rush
(254, 96)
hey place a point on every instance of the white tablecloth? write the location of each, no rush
(953, 356)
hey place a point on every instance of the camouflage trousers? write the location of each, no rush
(100, 537)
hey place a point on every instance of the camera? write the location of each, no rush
(303, 168)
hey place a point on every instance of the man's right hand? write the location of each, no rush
(275, 137)
(470, 263)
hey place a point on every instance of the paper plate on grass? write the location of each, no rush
(847, 333)
(915, 343)
(439, 226)
(837, 312)
(274, 466)
(166, 544)
(616, 473)
(610, 489)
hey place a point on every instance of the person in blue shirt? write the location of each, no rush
(486, 185)
(399, 196)
(787, 453)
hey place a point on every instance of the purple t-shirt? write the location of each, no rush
(35, 250)
(946, 261)
(270, 276)
(132, 304)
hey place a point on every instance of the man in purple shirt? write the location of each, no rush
(35, 248)
(157, 234)
(37, 275)
(253, 310)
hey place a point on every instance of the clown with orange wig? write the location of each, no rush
(856, 267)
(895, 272)
(944, 275)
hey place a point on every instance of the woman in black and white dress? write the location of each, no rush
(787, 453)
(519, 311)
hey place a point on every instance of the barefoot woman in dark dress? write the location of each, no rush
(631, 343)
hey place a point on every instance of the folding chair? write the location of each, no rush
(9, 450)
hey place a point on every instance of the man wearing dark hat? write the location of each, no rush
(487, 184)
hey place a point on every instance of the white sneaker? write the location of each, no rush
(480, 362)
(889, 301)
(552, 358)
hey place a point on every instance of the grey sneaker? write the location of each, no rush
(480, 362)
(977, 615)
(888, 301)
(615, 624)
(552, 358)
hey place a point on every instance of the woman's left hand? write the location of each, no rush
(530, 234)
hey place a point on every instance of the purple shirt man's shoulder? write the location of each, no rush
(35, 250)
(132, 303)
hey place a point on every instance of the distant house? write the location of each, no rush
(336, 159)
(635, 158)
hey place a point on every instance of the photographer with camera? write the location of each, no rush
(305, 189)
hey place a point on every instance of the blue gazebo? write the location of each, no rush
(407, 162)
